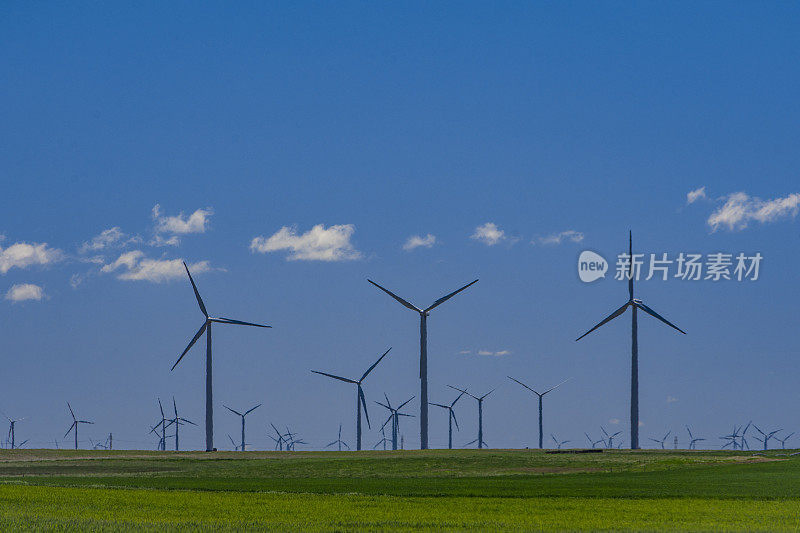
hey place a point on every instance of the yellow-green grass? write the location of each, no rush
(458, 490)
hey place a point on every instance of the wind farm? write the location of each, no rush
(419, 208)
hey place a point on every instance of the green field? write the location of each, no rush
(436, 489)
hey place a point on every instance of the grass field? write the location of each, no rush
(436, 489)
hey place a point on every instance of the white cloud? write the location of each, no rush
(671, 399)
(614, 421)
(23, 255)
(75, 280)
(158, 240)
(180, 224)
(465, 352)
(317, 244)
(415, 241)
(697, 194)
(557, 238)
(489, 234)
(135, 266)
(499, 353)
(107, 238)
(24, 291)
(740, 209)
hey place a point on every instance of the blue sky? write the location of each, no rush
(194, 130)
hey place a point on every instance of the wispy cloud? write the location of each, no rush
(317, 244)
(614, 421)
(489, 234)
(22, 255)
(180, 224)
(415, 241)
(111, 237)
(740, 209)
(671, 399)
(697, 194)
(499, 353)
(134, 266)
(558, 238)
(24, 291)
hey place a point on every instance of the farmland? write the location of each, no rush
(409, 490)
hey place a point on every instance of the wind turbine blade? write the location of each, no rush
(471, 442)
(438, 405)
(187, 421)
(396, 297)
(340, 378)
(70, 429)
(374, 364)
(175, 406)
(454, 401)
(364, 404)
(251, 410)
(223, 320)
(387, 420)
(384, 406)
(388, 403)
(521, 383)
(488, 393)
(196, 293)
(557, 386)
(443, 299)
(85, 422)
(331, 444)
(71, 411)
(161, 407)
(231, 410)
(191, 343)
(453, 414)
(463, 392)
(404, 403)
(345, 445)
(609, 318)
(630, 266)
(652, 313)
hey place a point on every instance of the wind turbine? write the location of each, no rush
(279, 440)
(242, 415)
(451, 417)
(11, 430)
(74, 425)
(423, 354)
(360, 400)
(178, 421)
(766, 436)
(610, 438)
(559, 443)
(339, 440)
(592, 441)
(235, 446)
(540, 396)
(662, 441)
(162, 442)
(692, 440)
(784, 439)
(479, 440)
(206, 328)
(383, 440)
(394, 417)
(635, 305)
